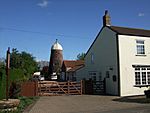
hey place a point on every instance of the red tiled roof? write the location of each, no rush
(73, 64)
(75, 68)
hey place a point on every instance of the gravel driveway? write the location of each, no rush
(86, 104)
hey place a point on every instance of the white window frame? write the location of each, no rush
(140, 47)
(143, 81)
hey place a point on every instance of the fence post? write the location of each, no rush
(68, 87)
(36, 88)
(39, 90)
(81, 86)
(104, 85)
(7, 72)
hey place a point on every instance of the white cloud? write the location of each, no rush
(43, 3)
(141, 14)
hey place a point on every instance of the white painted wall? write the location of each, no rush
(127, 53)
(80, 74)
(105, 57)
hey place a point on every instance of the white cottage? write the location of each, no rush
(121, 56)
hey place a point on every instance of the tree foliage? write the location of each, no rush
(24, 61)
(81, 56)
(22, 66)
(2, 63)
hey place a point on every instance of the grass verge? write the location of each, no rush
(24, 103)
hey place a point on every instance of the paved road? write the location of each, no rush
(86, 104)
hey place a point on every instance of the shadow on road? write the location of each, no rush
(133, 99)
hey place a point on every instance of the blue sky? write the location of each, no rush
(34, 25)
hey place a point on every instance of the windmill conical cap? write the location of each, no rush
(56, 46)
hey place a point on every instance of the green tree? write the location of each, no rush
(81, 56)
(2, 63)
(22, 65)
(24, 61)
(15, 59)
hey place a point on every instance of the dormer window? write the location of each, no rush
(140, 47)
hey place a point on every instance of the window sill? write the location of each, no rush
(140, 55)
(146, 85)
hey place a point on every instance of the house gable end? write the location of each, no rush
(98, 37)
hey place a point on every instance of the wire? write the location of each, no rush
(20, 30)
(42, 33)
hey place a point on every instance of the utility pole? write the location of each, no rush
(7, 71)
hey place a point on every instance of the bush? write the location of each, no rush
(26, 101)
(14, 90)
(147, 93)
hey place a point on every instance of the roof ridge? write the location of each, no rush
(130, 31)
(129, 28)
(68, 60)
(73, 60)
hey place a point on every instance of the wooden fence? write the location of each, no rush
(29, 89)
(98, 87)
(93, 87)
(48, 88)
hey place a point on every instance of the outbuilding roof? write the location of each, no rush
(73, 65)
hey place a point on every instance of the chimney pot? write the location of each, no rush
(106, 19)
(106, 12)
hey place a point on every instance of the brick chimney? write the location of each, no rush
(106, 19)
